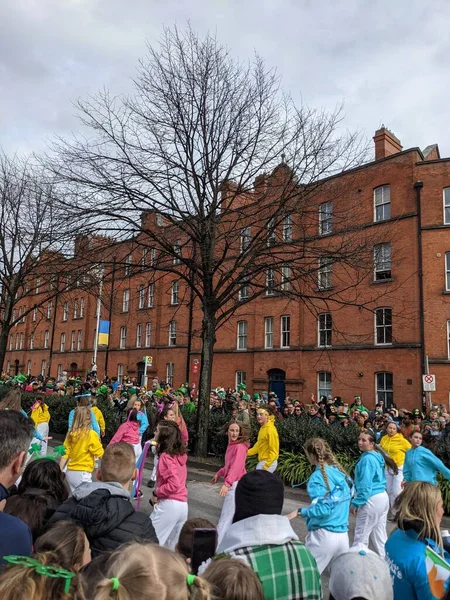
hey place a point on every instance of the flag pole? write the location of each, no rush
(99, 305)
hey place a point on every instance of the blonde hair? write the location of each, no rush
(148, 572)
(12, 401)
(233, 579)
(19, 581)
(320, 450)
(415, 508)
(118, 463)
(82, 423)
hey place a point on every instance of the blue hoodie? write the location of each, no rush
(422, 465)
(370, 478)
(143, 422)
(325, 513)
(405, 554)
(95, 425)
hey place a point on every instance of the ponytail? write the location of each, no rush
(390, 464)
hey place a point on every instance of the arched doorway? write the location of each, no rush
(74, 369)
(140, 373)
(16, 367)
(276, 383)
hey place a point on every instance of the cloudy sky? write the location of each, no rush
(388, 60)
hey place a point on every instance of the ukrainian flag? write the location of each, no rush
(103, 333)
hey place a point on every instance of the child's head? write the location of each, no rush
(169, 414)
(31, 508)
(69, 544)
(366, 441)
(416, 439)
(132, 414)
(391, 429)
(264, 413)
(232, 579)
(149, 572)
(93, 572)
(433, 415)
(435, 425)
(44, 474)
(82, 421)
(118, 464)
(184, 546)
(12, 401)
(319, 453)
(138, 404)
(168, 437)
(238, 431)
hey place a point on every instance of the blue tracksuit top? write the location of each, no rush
(143, 422)
(370, 478)
(422, 465)
(405, 554)
(332, 516)
(95, 425)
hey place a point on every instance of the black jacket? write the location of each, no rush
(105, 512)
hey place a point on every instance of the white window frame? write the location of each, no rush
(123, 337)
(120, 373)
(246, 239)
(31, 342)
(79, 339)
(326, 218)
(72, 341)
(21, 341)
(446, 202)
(382, 199)
(11, 342)
(382, 262)
(128, 263)
(46, 338)
(243, 291)
(325, 330)
(38, 285)
(287, 228)
(271, 232)
(285, 331)
(141, 295)
(240, 377)
(126, 301)
(144, 258)
(174, 292)
(62, 344)
(447, 271)
(43, 367)
(448, 339)
(148, 334)
(170, 373)
(286, 275)
(242, 335)
(172, 333)
(82, 308)
(59, 372)
(177, 253)
(49, 309)
(151, 295)
(75, 308)
(139, 335)
(268, 332)
(325, 274)
(381, 393)
(270, 282)
(29, 367)
(324, 383)
(17, 342)
(382, 327)
(34, 317)
(65, 311)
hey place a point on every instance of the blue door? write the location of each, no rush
(276, 384)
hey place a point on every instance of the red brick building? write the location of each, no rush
(274, 342)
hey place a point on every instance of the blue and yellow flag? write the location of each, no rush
(103, 333)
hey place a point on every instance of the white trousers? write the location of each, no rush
(168, 518)
(42, 428)
(326, 545)
(137, 450)
(75, 478)
(155, 464)
(227, 514)
(371, 523)
(393, 484)
(271, 469)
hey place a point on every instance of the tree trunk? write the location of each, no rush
(3, 345)
(204, 386)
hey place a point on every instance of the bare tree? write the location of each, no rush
(227, 172)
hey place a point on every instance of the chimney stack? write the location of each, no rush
(386, 143)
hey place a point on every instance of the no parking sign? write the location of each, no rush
(429, 382)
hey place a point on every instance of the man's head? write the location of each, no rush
(118, 465)
(16, 433)
(258, 493)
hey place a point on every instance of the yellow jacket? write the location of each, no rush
(396, 446)
(267, 446)
(40, 415)
(83, 450)
(100, 418)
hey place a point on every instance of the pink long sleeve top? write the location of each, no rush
(171, 475)
(235, 458)
(128, 432)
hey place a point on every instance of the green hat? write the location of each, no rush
(103, 389)
(132, 390)
(246, 397)
(242, 386)
(255, 396)
(342, 416)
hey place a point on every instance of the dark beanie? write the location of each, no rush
(258, 493)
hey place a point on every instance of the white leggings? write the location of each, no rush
(137, 450)
(371, 523)
(271, 469)
(393, 484)
(168, 518)
(75, 478)
(42, 428)
(227, 514)
(326, 545)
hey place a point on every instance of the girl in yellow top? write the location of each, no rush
(41, 418)
(395, 445)
(83, 446)
(267, 446)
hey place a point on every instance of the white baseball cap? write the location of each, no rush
(360, 573)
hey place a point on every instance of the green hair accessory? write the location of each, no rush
(115, 584)
(190, 579)
(40, 569)
(34, 449)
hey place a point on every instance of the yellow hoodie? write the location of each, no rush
(267, 446)
(100, 418)
(83, 450)
(396, 446)
(40, 414)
